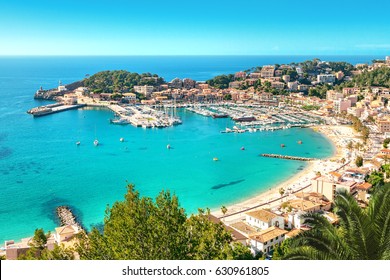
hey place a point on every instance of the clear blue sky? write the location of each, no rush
(249, 27)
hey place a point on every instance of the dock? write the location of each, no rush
(288, 157)
(67, 218)
(52, 108)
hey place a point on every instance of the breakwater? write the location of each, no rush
(67, 218)
(288, 157)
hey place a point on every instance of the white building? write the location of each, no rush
(326, 78)
(145, 90)
(265, 240)
(263, 219)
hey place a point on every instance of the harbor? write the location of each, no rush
(254, 118)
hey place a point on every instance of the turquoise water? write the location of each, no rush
(41, 167)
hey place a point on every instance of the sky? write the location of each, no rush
(153, 27)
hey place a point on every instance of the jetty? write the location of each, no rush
(288, 157)
(52, 108)
(67, 218)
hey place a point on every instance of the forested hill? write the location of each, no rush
(120, 81)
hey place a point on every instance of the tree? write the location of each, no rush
(139, 228)
(359, 161)
(386, 143)
(362, 233)
(224, 210)
(58, 253)
(350, 145)
(39, 239)
(281, 191)
(376, 179)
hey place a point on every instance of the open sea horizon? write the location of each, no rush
(42, 168)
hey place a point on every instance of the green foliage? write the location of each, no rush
(39, 239)
(281, 250)
(359, 161)
(58, 253)
(359, 127)
(138, 228)
(362, 233)
(310, 107)
(342, 66)
(221, 81)
(376, 179)
(227, 96)
(118, 81)
(2, 258)
(377, 77)
(320, 91)
(386, 143)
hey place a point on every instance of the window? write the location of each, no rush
(276, 237)
(271, 240)
(265, 243)
(277, 223)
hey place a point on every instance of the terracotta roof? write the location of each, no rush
(262, 215)
(65, 230)
(333, 173)
(304, 205)
(364, 186)
(267, 234)
(243, 227)
(293, 232)
(235, 234)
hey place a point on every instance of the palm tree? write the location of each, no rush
(361, 234)
(224, 210)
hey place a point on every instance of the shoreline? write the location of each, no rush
(293, 184)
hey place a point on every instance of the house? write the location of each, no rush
(236, 235)
(130, 97)
(145, 90)
(267, 71)
(326, 78)
(65, 233)
(265, 240)
(277, 85)
(240, 75)
(263, 219)
(362, 192)
(330, 187)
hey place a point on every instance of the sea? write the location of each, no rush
(41, 167)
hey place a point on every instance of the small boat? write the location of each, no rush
(168, 146)
(96, 142)
(299, 142)
(78, 143)
(282, 145)
(122, 139)
(242, 148)
(215, 159)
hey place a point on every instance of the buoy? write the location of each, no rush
(78, 143)
(242, 148)
(96, 142)
(122, 139)
(168, 146)
(282, 145)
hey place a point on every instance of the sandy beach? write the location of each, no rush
(338, 135)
